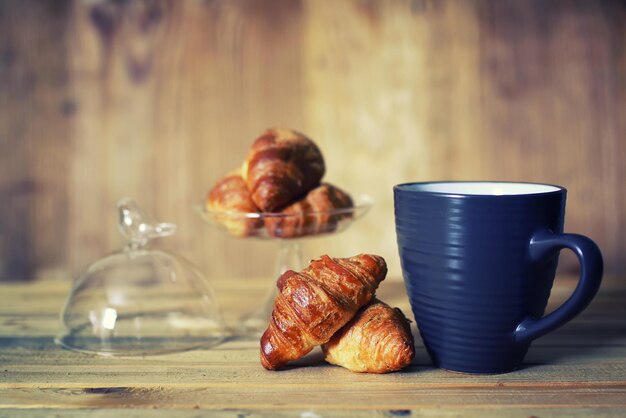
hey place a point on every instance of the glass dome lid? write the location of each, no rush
(140, 301)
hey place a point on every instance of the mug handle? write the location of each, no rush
(544, 244)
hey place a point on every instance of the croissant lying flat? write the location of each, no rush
(377, 340)
(312, 305)
(307, 217)
(282, 165)
(230, 194)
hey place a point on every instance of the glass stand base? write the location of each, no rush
(288, 257)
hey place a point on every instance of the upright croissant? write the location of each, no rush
(229, 197)
(312, 305)
(281, 166)
(377, 340)
(310, 215)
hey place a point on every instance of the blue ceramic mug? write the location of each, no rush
(478, 260)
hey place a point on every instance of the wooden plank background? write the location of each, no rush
(157, 99)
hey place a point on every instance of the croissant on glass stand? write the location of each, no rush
(230, 197)
(309, 216)
(377, 340)
(282, 165)
(314, 304)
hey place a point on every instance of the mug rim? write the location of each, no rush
(403, 187)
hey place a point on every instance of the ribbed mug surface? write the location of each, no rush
(468, 274)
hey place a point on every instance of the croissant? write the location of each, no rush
(312, 305)
(377, 340)
(230, 194)
(282, 165)
(310, 215)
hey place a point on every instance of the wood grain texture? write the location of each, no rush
(434, 412)
(175, 91)
(158, 99)
(35, 114)
(579, 369)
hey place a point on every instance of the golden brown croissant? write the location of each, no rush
(230, 194)
(377, 340)
(281, 166)
(312, 305)
(310, 215)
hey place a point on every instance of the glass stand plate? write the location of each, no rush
(288, 231)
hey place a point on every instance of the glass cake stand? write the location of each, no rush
(287, 231)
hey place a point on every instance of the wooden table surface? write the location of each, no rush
(577, 371)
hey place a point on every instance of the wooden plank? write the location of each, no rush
(45, 300)
(36, 107)
(540, 72)
(182, 88)
(422, 412)
(387, 96)
(55, 286)
(302, 397)
(215, 369)
(111, 53)
(468, 90)
(47, 293)
(47, 297)
(557, 350)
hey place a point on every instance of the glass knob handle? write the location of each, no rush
(137, 226)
